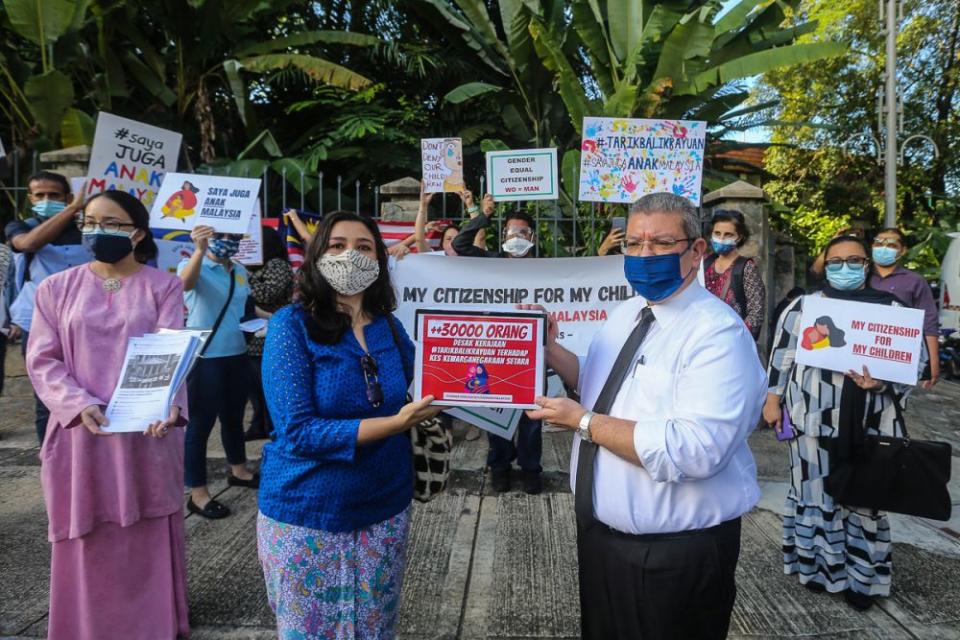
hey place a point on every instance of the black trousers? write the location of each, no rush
(260, 422)
(527, 451)
(658, 587)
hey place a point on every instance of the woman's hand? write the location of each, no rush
(487, 205)
(772, 414)
(613, 240)
(865, 381)
(398, 251)
(93, 419)
(416, 412)
(161, 428)
(201, 236)
(562, 412)
(467, 196)
(425, 198)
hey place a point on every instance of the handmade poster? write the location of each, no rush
(524, 174)
(171, 252)
(623, 159)
(442, 162)
(480, 359)
(251, 247)
(841, 335)
(186, 200)
(131, 156)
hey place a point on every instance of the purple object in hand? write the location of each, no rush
(786, 427)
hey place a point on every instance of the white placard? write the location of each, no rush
(171, 252)
(251, 247)
(131, 156)
(442, 164)
(841, 335)
(523, 174)
(187, 200)
(622, 159)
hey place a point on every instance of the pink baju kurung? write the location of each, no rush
(118, 566)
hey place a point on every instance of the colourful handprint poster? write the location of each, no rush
(623, 159)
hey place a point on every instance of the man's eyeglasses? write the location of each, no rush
(108, 226)
(659, 246)
(855, 262)
(374, 391)
(523, 232)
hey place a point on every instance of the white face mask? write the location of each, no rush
(517, 246)
(350, 272)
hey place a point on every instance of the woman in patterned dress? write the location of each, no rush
(337, 477)
(833, 547)
(746, 295)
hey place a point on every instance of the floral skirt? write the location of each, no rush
(341, 586)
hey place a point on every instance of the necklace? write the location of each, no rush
(112, 285)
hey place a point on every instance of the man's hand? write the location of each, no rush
(76, 203)
(15, 333)
(553, 329)
(93, 419)
(201, 236)
(562, 412)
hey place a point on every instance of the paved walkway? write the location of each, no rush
(497, 567)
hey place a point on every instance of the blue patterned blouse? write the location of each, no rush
(313, 473)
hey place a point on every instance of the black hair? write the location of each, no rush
(836, 334)
(846, 238)
(327, 321)
(739, 223)
(52, 177)
(900, 235)
(520, 214)
(146, 249)
(273, 245)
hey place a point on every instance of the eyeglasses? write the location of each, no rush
(886, 243)
(523, 232)
(374, 391)
(659, 247)
(855, 262)
(91, 226)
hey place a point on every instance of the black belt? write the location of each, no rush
(673, 535)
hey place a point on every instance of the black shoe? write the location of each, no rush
(500, 480)
(532, 483)
(858, 601)
(816, 587)
(252, 483)
(213, 510)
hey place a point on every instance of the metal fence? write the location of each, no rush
(567, 228)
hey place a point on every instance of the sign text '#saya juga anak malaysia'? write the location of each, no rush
(130, 156)
(185, 201)
(841, 335)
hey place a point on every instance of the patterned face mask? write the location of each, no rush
(224, 248)
(350, 272)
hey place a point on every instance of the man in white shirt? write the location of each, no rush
(661, 470)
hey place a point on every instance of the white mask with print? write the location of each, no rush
(350, 272)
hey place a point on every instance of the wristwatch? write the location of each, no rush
(584, 429)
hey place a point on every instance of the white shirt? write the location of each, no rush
(695, 390)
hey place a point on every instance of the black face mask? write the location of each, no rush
(107, 247)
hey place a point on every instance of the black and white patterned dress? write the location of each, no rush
(835, 545)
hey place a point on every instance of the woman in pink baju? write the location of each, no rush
(118, 565)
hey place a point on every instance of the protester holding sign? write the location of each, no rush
(216, 290)
(889, 248)
(450, 231)
(519, 241)
(118, 566)
(661, 470)
(338, 474)
(731, 277)
(833, 547)
(46, 243)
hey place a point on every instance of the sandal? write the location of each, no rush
(213, 510)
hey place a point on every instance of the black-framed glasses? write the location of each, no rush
(855, 262)
(659, 246)
(107, 226)
(372, 380)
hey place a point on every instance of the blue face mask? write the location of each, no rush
(48, 208)
(655, 278)
(884, 256)
(723, 247)
(224, 248)
(847, 278)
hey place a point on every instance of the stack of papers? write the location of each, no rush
(154, 368)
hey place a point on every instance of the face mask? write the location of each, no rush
(517, 246)
(350, 272)
(109, 247)
(654, 277)
(48, 208)
(884, 256)
(847, 278)
(723, 247)
(224, 248)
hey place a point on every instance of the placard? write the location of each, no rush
(187, 200)
(480, 360)
(442, 165)
(130, 156)
(251, 247)
(623, 159)
(841, 335)
(523, 174)
(171, 252)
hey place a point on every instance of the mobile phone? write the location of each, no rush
(619, 222)
(786, 427)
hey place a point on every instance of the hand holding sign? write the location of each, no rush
(864, 381)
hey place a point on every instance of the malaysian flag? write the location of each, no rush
(394, 231)
(296, 247)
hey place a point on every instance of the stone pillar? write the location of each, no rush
(71, 162)
(752, 203)
(400, 199)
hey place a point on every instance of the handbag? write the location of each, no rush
(887, 473)
(432, 445)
